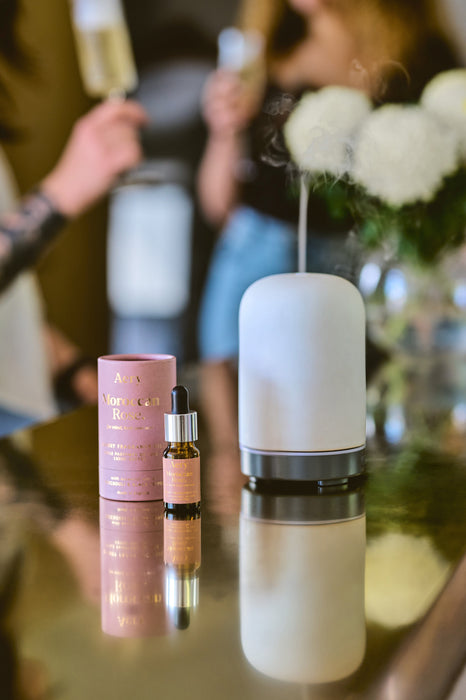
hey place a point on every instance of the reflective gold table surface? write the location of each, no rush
(275, 593)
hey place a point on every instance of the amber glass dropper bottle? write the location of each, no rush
(181, 460)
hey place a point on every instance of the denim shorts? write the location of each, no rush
(10, 421)
(251, 246)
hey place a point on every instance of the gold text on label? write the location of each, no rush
(126, 380)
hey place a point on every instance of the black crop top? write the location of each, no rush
(270, 182)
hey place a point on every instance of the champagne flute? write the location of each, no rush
(104, 49)
(105, 55)
(242, 51)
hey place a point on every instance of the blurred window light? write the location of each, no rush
(395, 424)
(369, 278)
(396, 289)
(459, 295)
(459, 416)
(370, 426)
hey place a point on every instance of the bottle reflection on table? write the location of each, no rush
(182, 557)
(302, 583)
(149, 568)
(132, 569)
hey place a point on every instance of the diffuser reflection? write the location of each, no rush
(302, 583)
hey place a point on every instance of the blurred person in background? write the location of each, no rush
(387, 48)
(37, 362)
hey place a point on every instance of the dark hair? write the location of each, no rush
(13, 54)
(8, 666)
(433, 55)
(11, 48)
(419, 47)
(290, 30)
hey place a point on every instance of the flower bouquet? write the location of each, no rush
(399, 170)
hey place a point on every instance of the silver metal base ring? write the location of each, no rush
(303, 466)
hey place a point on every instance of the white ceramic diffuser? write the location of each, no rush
(302, 389)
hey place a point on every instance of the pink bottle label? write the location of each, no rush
(182, 542)
(181, 480)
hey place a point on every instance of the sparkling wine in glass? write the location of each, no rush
(104, 49)
(242, 51)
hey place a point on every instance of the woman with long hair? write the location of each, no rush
(387, 48)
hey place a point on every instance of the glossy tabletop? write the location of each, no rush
(276, 592)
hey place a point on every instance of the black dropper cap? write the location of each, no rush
(181, 423)
(180, 400)
(181, 618)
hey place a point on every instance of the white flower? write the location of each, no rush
(319, 131)
(404, 574)
(403, 154)
(445, 96)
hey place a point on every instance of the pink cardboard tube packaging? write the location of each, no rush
(134, 395)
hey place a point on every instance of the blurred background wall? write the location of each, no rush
(47, 104)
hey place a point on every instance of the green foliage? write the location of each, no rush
(419, 492)
(422, 232)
